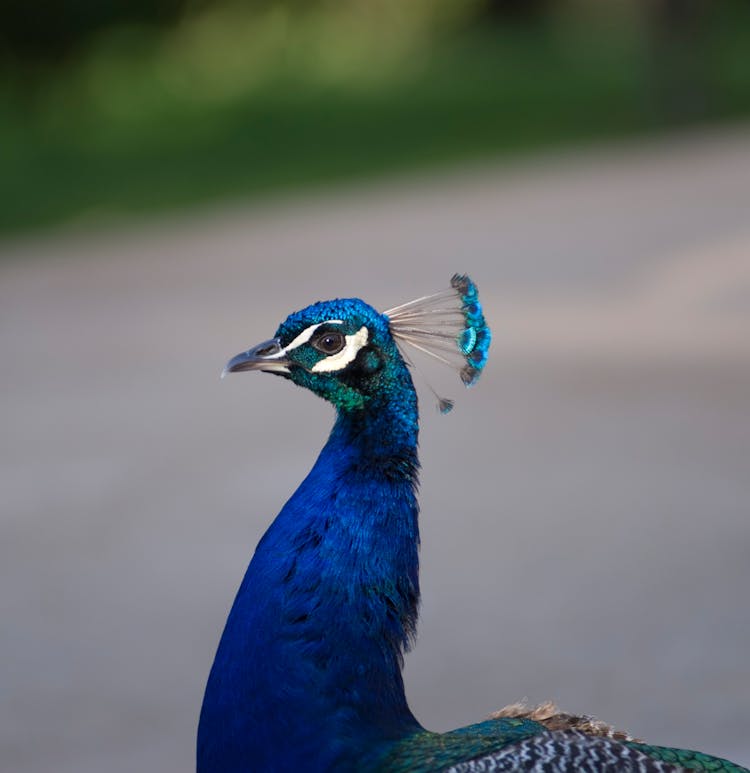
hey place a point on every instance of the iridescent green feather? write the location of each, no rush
(687, 759)
(426, 752)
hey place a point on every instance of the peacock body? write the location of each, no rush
(307, 676)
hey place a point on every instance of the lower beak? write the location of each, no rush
(268, 356)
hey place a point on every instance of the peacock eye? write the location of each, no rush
(330, 343)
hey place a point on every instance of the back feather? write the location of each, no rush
(566, 752)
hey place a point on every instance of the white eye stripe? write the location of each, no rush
(339, 361)
(306, 335)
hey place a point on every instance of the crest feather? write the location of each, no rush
(449, 326)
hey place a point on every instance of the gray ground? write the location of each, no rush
(586, 534)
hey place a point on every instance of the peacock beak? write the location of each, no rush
(268, 356)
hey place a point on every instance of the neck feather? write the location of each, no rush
(308, 671)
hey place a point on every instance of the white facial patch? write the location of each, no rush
(273, 367)
(339, 361)
(306, 335)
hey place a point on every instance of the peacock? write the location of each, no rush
(307, 675)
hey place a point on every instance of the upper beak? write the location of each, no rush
(268, 356)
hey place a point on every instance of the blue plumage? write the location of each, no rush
(308, 671)
(307, 676)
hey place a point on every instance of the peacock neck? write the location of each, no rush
(308, 671)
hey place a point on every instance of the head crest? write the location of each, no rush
(448, 326)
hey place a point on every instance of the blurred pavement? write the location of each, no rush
(586, 525)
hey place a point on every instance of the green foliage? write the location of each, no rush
(249, 99)
(39, 30)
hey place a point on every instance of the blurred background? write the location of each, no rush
(177, 176)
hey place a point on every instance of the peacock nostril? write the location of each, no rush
(267, 351)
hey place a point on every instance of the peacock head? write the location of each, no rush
(349, 353)
(342, 350)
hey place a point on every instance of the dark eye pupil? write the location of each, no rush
(330, 343)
